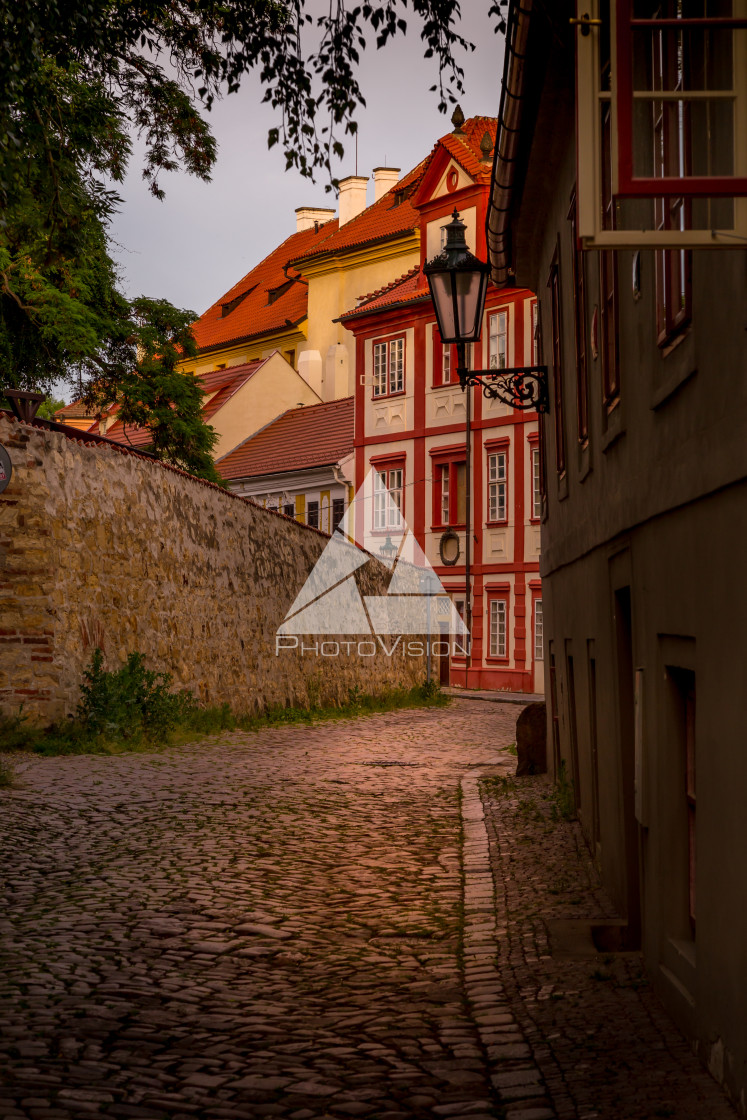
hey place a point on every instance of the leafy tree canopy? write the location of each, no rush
(77, 79)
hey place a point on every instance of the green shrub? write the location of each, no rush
(129, 702)
(133, 708)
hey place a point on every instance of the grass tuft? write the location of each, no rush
(132, 709)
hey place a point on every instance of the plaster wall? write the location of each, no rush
(650, 512)
(336, 289)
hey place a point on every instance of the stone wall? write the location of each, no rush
(102, 547)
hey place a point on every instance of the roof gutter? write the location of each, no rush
(507, 142)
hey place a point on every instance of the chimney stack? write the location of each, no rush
(352, 197)
(309, 216)
(384, 179)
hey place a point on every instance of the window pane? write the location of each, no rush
(497, 486)
(536, 487)
(379, 369)
(380, 501)
(497, 627)
(395, 495)
(338, 511)
(538, 631)
(312, 514)
(498, 341)
(444, 477)
(396, 365)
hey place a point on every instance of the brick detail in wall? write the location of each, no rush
(100, 547)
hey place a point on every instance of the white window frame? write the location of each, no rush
(498, 340)
(536, 484)
(388, 487)
(445, 473)
(539, 631)
(498, 627)
(389, 367)
(497, 486)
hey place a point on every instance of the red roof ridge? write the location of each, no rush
(298, 439)
(388, 287)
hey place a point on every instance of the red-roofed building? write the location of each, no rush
(410, 423)
(301, 464)
(238, 401)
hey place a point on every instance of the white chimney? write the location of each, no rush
(384, 179)
(352, 197)
(309, 216)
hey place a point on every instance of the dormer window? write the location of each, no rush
(276, 293)
(227, 308)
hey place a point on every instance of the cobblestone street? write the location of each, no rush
(277, 924)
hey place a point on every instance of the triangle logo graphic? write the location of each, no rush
(373, 527)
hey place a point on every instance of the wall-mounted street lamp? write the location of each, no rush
(459, 282)
(388, 549)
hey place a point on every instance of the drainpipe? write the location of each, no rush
(507, 142)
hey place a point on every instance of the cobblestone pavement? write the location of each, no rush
(269, 925)
(603, 1043)
(266, 925)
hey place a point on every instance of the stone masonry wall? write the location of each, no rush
(99, 547)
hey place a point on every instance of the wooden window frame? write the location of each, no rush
(537, 602)
(496, 313)
(446, 459)
(385, 467)
(388, 342)
(498, 447)
(536, 494)
(498, 595)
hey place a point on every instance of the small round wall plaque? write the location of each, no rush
(6, 469)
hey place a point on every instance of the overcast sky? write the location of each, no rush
(203, 237)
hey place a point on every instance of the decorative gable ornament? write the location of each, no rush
(661, 128)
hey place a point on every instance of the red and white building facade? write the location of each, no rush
(410, 425)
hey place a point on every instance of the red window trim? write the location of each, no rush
(442, 457)
(447, 452)
(501, 308)
(437, 351)
(385, 340)
(495, 591)
(390, 462)
(629, 185)
(492, 447)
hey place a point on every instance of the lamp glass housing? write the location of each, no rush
(458, 282)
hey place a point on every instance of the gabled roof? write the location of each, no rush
(464, 148)
(221, 383)
(315, 436)
(392, 216)
(264, 300)
(74, 411)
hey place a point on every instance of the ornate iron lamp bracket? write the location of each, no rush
(522, 387)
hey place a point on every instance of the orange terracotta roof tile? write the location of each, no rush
(264, 300)
(221, 383)
(74, 411)
(409, 287)
(315, 436)
(392, 216)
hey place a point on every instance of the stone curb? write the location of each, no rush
(514, 1074)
